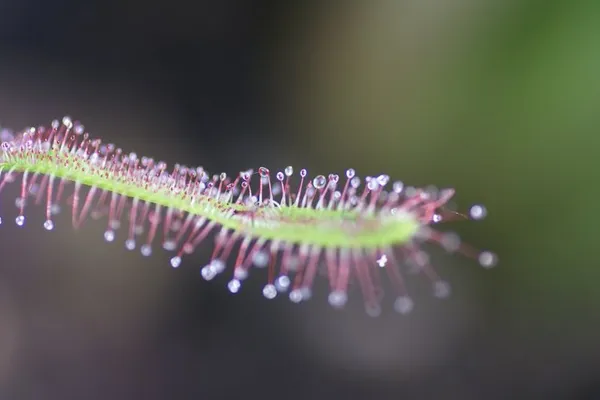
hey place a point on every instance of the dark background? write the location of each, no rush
(498, 99)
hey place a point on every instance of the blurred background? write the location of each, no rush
(498, 99)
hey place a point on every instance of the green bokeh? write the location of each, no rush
(500, 101)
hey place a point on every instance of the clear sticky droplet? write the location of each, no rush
(234, 285)
(350, 173)
(403, 305)
(269, 291)
(478, 212)
(48, 225)
(146, 250)
(289, 170)
(264, 172)
(109, 235)
(487, 259)
(20, 220)
(175, 261)
(282, 283)
(337, 298)
(130, 244)
(319, 182)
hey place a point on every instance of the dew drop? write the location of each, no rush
(289, 170)
(383, 180)
(48, 225)
(234, 285)
(398, 187)
(218, 265)
(260, 259)
(208, 272)
(382, 261)
(269, 291)
(282, 283)
(20, 220)
(109, 235)
(487, 259)
(130, 244)
(296, 296)
(337, 298)
(373, 310)
(264, 172)
(175, 261)
(146, 250)
(350, 173)
(319, 182)
(303, 172)
(478, 212)
(169, 245)
(280, 176)
(373, 184)
(403, 305)
(0, 220)
(240, 274)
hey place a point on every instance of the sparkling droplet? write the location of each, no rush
(146, 250)
(398, 187)
(264, 172)
(169, 245)
(280, 176)
(260, 259)
(20, 220)
(234, 285)
(269, 291)
(296, 296)
(337, 298)
(478, 212)
(383, 180)
(48, 225)
(303, 172)
(130, 244)
(208, 272)
(319, 182)
(240, 274)
(289, 170)
(382, 261)
(282, 283)
(373, 185)
(350, 173)
(403, 304)
(487, 259)
(218, 265)
(175, 261)
(109, 235)
(0, 220)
